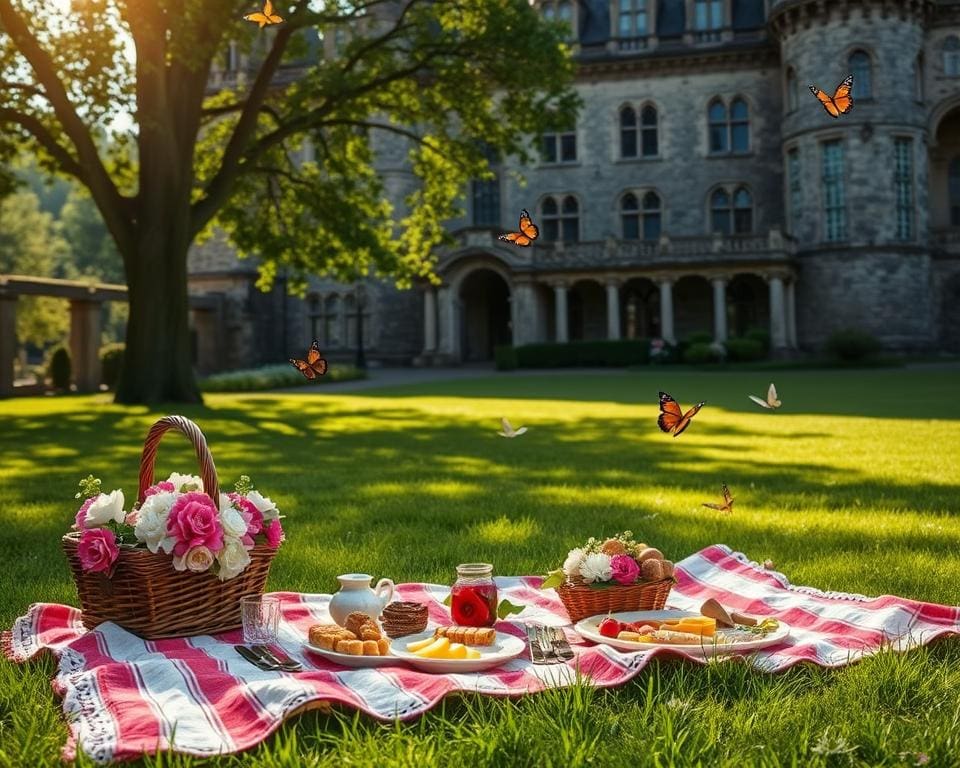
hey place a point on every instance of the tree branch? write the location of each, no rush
(39, 131)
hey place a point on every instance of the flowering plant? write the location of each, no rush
(179, 519)
(619, 560)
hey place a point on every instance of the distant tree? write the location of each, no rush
(93, 251)
(450, 76)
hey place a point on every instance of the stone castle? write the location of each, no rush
(702, 189)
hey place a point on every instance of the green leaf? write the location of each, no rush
(553, 579)
(506, 608)
(446, 600)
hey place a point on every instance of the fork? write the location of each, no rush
(546, 647)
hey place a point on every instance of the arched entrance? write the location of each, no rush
(945, 173)
(587, 308)
(748, 304)
(485, 317)
(692, 306)
(640, 309)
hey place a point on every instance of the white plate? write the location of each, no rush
(588, 628)
(349, 660)
(504, 648)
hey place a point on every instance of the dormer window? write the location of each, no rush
(708, 20)
(633, 18)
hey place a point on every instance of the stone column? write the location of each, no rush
(791, 315)
(8, 342)
(778, 326)
(666, 311)
(429, 320)
(449, 339)
(720, 309)
(85, 344)
(560, 305)
(523, 314)
(613, 310)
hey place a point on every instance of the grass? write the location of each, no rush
(853, 486)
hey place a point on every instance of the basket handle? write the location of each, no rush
(183, 425)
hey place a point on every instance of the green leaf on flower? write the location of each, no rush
(506, 608)
(243, 486)
(89, 487)
(553, 579)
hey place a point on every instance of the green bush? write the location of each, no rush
(505, 357)
(742, 350)
(700, 337)
(111, 360)
(700, 353)
(852, 345)
(274, 377)
(579, 353)
(759, 334)
(59, 368)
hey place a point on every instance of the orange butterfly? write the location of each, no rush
(727, 505)
(672, 419)
(314, 365)
(267, 16)
(841, 102)
(527, 234)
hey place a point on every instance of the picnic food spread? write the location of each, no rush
(404, 618)
(359, 637)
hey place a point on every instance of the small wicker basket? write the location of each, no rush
(145, 594)
(582, 601)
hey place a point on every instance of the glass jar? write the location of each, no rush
(473, 598)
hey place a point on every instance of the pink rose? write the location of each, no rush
(624, 569)
(194, 521)
(274, 533)
(97, 549)
(82, 513)
(132, 517)
(250, 513)
(164, 486)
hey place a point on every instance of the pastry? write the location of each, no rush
(333, 637)
(352, 647)
(467, 635)
(383, 646)
(319, 634)
(356, 620)
(404, 618)
(371, 648)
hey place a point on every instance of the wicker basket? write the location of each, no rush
(145, 594)
(582, 601)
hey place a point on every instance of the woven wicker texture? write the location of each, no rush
(146, 594)
(582, 601)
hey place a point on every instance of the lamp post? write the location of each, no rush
(361, 295)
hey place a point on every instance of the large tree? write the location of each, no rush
(454, 78)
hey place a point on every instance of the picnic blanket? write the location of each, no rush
(124, 696)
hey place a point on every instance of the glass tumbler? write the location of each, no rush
(260, 617)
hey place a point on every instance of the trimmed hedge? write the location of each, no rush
(111, 360)
(274, 377)
(742, 350)
(573, 354)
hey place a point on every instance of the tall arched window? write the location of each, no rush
(951, 56)
(648, 129)
(739, 125)
(953, 191)
(717, 121)
(742, 212)
(731, 211)
(633, 18)
(862, 70)
(651, 216)
(720, 212)
(630, 216)
(628, 132)
(791, 95)
(561, 222)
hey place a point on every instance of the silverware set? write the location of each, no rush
(548, 645)
(267, 658)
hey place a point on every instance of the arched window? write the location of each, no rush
(651, 216)
(628, 132)
(739, 125)
(720, 212)
(633, 18)
(648, 130)
(862, 71)
(561, 222)
(951, 56)
(717, 121)
(708, 19)
(742, 212)
(630, 216)
(953, 191)
(791, 98)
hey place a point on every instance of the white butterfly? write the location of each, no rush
(509, 431)
(771, 403)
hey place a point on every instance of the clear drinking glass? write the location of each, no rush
(260, 618)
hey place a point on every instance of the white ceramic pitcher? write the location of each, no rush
(356, 595)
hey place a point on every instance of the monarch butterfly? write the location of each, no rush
(771, 403)
(672, 419)
(527, 234)
(314, 365)
(727, 505)
(841, 102)
(509, 431)
(267, 16)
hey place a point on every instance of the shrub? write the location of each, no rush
(744, 350)
(852, 345)
(700, 352)
(505, 357)
(581, 353)
(700, 337)
(59, 368)
(759, 334)
(111, 360)
(274, 377)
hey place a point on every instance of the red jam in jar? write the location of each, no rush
(473, 599)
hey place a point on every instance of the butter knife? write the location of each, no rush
(254, 658)
(561, 646)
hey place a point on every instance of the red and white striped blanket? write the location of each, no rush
(124, 696)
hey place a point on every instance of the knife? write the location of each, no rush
(258, 661)
(536, 653)
(561, 646)
(278, 657)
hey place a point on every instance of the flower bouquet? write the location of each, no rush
(612, 575)
(180, 560)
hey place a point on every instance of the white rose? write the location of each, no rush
(192, 482)
(233, 558)
(198, 559)
(151, 526)
(231, 520)
(571, 566)
(267, 508)
(106, 507)
(596, 567)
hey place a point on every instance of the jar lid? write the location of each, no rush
(474, 569)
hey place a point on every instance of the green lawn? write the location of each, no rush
(853, 486)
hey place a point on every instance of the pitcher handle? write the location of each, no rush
(381, 585)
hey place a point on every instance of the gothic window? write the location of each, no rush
(731, 213)
(953, 191)
(742, 212)
(834, 199)
(720, 212)
(793, 180)
(651, 216)
(951, 56)
(485, 194)
(739, 125)
(791, 90)
(639, 222)
(628, 132)
(729, 129)
(630, 216)
(633, 18)
(862, 70)
(648, 131)
(708, 19)
(560, 222)
(559, 146)
(717, 120)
